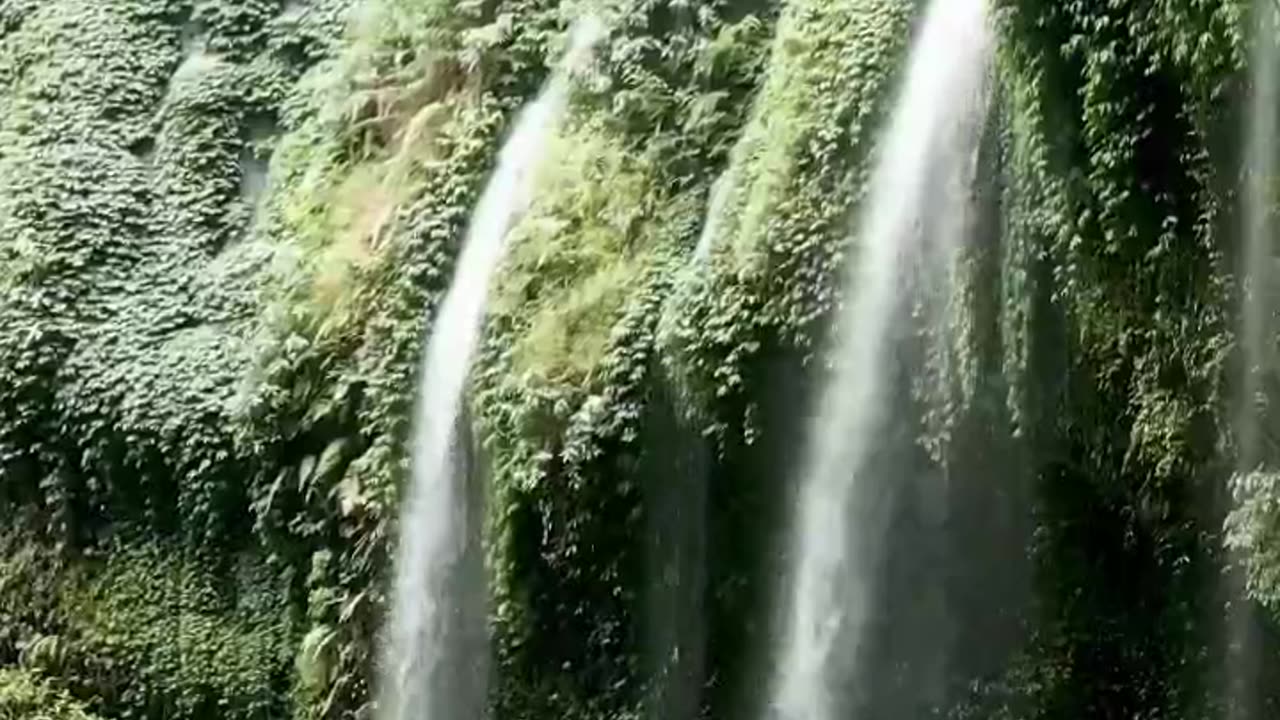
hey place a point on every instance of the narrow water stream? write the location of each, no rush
(839, 528)
(435, 663)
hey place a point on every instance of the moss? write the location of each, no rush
(569, 353)
(575, 257)
(792, 183)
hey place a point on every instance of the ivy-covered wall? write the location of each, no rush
(224, 225)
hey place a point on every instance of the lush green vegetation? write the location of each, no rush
(26, 698)
(224, 225)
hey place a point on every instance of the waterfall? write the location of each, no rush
(721, 189)
(435, 646)
(1258, 257)
(1257, 332)
(933, 133)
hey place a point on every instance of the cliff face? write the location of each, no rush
(224, 225)
(138, 276)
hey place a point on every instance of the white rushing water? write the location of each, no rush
(1257, 268)
(1258, 257)
(429, 668)
(721, 189)
(931, 137)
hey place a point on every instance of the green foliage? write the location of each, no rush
(570, 358)
(225, 227)
(125, 308)
(150, 633)
(1252, 532)
(573, 259)
(798, 168)
(1117, 304)
(23, 696)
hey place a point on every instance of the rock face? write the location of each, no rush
(222, 222)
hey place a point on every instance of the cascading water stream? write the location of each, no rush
(1257, 261)
(721, 189)
(432, 631)
(1257, 328)
(933, 133)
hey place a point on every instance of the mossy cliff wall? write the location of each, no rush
(224, 225)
